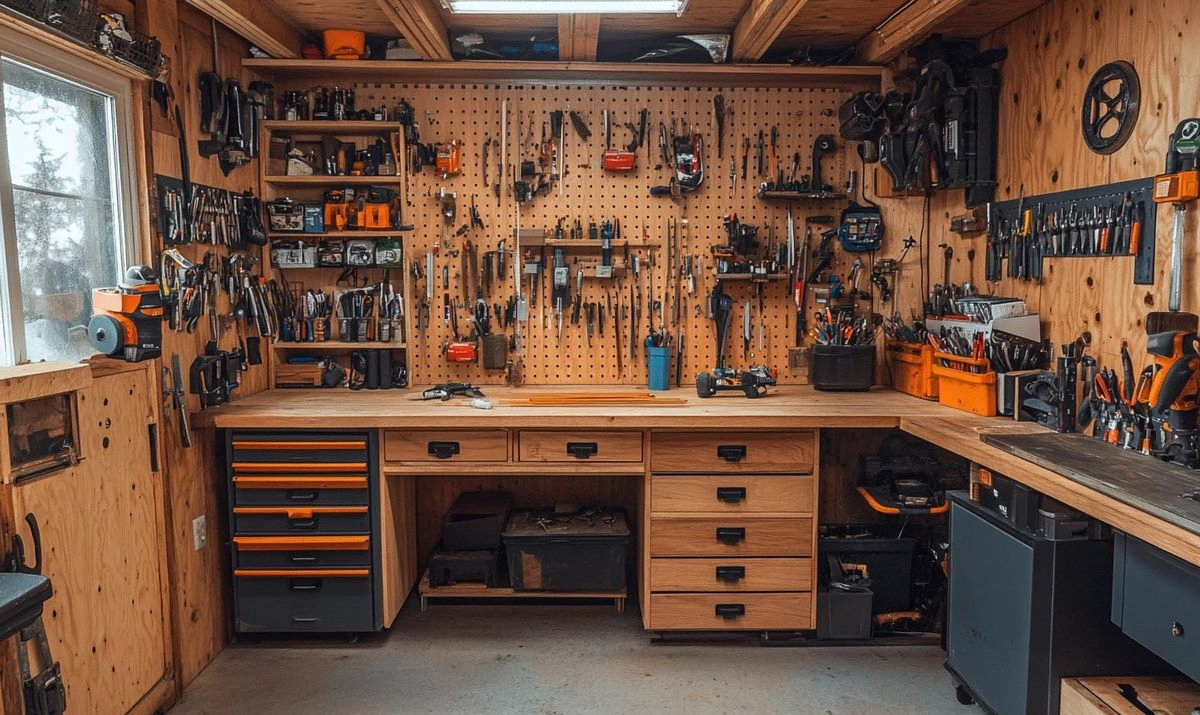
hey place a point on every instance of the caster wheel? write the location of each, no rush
(964, 698)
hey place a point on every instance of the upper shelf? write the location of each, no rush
(318, 126)
(591, 73)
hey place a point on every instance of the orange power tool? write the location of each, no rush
(127, 319)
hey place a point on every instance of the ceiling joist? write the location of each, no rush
(418, 21)
(906, 28)
(761, 24)
(257, 23)
(578, 36)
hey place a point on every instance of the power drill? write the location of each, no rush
(1175, 397)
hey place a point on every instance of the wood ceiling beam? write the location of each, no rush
(578, 36)
(257, 23)
(905, 29)
(761, 24)
(421, 25)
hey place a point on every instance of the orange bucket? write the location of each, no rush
(344, 44)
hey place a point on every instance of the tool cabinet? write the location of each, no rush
(730, 538)
(303, 516)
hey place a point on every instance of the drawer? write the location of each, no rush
(754, 574)
(443, 446)
(302, 551)
(730, 611)
(300, 490)
(573, 447)
(731, 536)
(691, 452)
(287, 600)
(282, 520)
(731, 493)
(299, 448)
(1156, 601)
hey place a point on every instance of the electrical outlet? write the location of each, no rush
(199, 532)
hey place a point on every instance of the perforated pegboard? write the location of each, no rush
(471, 113)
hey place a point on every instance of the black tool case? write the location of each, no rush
(447, 568)
(581, 551)
(475, 520)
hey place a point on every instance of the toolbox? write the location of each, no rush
(843, 367)
(912, 369)
(958, 387)
(888, 564)
(580, 551)
(447, 568)
(844, 615)
(475, 521)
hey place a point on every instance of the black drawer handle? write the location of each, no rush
(731, 574)
(730, 611)
(582, 450)
(730, 535)
(307, 584)
(731, 452)
(309, 524)
(444, 450)
(731, 495)
(302, 496)
(298, 559)
(1177, 629)
(309, 619)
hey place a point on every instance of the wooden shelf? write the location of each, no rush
(317, 126)
(324, 180)
(478, 590)
(337, 345)
(598, 243)
(591, 73)
(365, 233)
(748, 276)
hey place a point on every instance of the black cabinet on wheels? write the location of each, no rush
(1026, 611)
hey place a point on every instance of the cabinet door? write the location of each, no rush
(102, 550)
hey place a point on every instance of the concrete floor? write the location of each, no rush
(551, 659)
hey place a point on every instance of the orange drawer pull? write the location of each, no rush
(301, 482)
(246, 444)
(300, 513)
(284, 467)
(302, 573)
(302, 543)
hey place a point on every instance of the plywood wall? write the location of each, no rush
(195, 477)
(1053, 52)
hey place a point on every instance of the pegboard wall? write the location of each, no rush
(472, 114)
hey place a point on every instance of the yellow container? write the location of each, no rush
(966, 384)
(912, 369)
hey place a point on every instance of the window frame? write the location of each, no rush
(26, 50)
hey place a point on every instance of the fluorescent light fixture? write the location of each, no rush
(563, 7)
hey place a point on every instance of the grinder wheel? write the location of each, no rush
(1110, 107)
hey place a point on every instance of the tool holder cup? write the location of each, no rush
(659, 362)
(842, 367)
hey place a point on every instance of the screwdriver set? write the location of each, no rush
(1111, 220)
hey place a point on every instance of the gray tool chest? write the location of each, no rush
(1156, 601)
(303, 513)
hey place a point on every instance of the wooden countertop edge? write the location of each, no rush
(966, 440)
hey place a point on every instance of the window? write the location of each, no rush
(64, 219)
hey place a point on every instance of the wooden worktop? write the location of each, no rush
(787, 407)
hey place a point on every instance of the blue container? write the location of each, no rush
(660, 368)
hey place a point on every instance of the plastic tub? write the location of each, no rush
(842, 367)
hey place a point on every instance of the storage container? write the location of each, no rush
(447, 568)
(475, 521)
(889, 566)
(844, 615)
(912, 369)
(959, 387)
(842, 367)
(583, 551)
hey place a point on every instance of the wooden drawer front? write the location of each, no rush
(731, 536)
(731, 493)
(730, 611)
(754, 574)
(289, 520)
(442, 446)
(578, 447)
(308, 552)
(300, 490)
(289, 600)
(690, 452)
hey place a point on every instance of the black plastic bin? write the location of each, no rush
(475, 520)
(889, 565)
(584, 551)
(844, 615)
(842, 367)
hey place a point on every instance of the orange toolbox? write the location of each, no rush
(912, 368)
(965, 383)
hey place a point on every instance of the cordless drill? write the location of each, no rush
(1175, 397)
